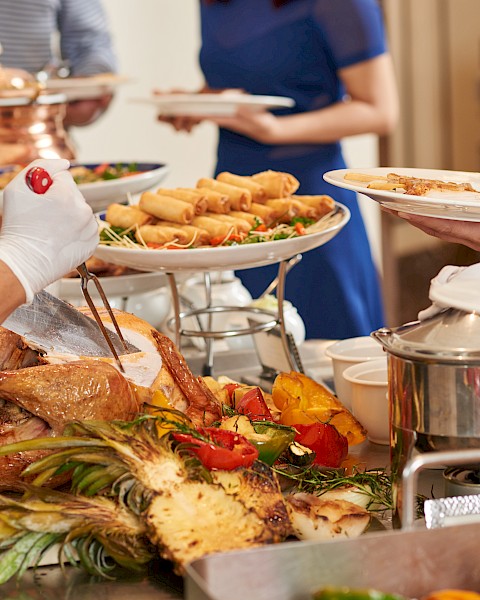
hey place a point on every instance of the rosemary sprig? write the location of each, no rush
(376, 484)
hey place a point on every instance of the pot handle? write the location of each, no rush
(427, 461)
(383, 336)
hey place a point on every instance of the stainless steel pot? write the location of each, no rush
(433, 386)
(33, 128)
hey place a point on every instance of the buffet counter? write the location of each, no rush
(50, 582)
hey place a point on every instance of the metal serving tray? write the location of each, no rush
(412, 563)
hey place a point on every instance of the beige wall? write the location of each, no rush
(157, 43)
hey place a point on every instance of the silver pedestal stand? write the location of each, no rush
(175, 323)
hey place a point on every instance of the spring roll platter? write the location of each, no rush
(230, 221)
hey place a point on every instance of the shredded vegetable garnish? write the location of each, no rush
(131, 238)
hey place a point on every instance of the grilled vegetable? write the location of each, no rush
(219, 448)
(330, 446)
(270, 439)
(299, 455)
(250, 402)
(354, 594)
(302, 400)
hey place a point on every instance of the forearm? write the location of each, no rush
(371, 107)
(12, 293)
(331, 124)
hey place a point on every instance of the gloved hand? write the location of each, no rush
(454, 287)
(44, 236)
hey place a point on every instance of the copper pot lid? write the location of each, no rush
(452, 335)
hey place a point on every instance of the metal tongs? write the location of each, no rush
(86, 276)
(38, 180)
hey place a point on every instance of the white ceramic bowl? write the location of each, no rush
(346, 353)
(370, 404)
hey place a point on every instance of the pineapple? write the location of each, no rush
(186, 510)
(97, 532)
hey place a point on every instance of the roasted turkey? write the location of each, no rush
(42, 391)
(38, 402)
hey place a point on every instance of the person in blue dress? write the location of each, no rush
(330, 56)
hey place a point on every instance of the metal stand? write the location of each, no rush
(175, 323)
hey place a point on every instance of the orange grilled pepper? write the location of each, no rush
(302, 400)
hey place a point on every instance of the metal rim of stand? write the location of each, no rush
(175, 323)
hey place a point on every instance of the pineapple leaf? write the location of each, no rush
(25, 552)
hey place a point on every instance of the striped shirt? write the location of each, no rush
(37, 33)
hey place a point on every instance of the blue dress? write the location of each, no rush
(296, 51)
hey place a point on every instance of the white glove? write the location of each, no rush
(454, 287)
(44, 236)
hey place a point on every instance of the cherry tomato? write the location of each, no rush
(38, 180)
(252, 404)
(220, 448)
(330, 446)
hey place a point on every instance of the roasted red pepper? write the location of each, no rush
(253, 405)
(219, 448)
(230, 389)
(330, 446)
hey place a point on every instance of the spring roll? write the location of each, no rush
(277, 184)
(323, 204)
(283, 210)
(126, 217)
(166, 208)
(262, 211)
(159, 234)
(303, 210)
(256, 189)
(196, 235)
(240, 198)
(191, 196)
(214, 227)
(241, 225)
(246, 216)
(216, 201)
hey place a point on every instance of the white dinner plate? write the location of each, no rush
(459, 206)
(82, 88)
(100, 194)
(220, 105)
(120, 285)
(227, 257)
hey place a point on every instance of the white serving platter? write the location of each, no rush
(222, 258)
(460, 206)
